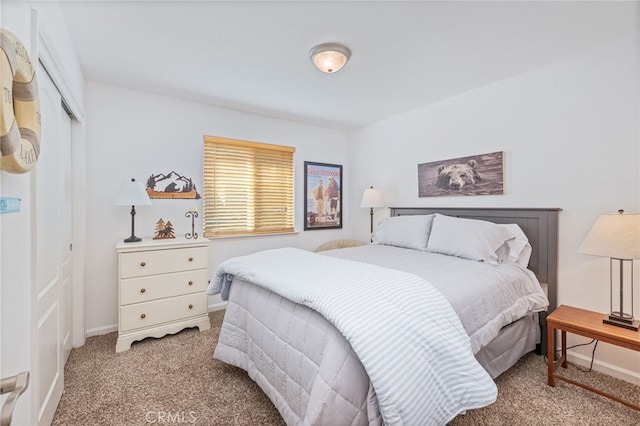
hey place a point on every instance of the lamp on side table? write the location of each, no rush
(372, 198)
(133, 194)
(617, 236)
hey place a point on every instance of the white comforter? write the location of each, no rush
(485, 297)
(407, 336)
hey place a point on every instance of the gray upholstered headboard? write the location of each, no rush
(540, 225)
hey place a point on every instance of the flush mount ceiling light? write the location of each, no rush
(330, 57)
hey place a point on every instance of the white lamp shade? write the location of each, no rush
(372, 198)
(133, 193)
(330, 57)
(614, 235)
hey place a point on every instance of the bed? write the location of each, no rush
(402, 331)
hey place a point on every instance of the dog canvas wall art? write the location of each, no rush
(474, 175)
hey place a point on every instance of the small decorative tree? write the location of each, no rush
(163, 230)
(159, 229)
(168, 230)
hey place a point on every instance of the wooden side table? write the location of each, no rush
(589, 324)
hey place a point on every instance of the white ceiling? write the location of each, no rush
(253, 56)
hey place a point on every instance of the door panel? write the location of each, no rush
(66, 220)
(51, 241)
(49, 375)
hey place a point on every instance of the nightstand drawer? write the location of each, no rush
(144, 289)
(153, 262)
(141, 315)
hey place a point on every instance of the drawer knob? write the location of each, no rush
(190, 306)
(142, 290)
(190, 282)
(143, 264)
(191, 259)
(143, 316)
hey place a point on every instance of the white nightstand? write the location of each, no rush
(162, 288)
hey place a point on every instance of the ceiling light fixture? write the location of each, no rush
(330, 57)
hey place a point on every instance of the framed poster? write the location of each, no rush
(322, 196)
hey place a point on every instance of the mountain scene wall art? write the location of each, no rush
(172, 185)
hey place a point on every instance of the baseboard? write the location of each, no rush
(605, 368)
(217, 306)
(99, 331)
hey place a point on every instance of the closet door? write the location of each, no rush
(51, 239)
(65, 205)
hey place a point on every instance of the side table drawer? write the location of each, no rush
(153, 262)
(141, 315)
(144, 289)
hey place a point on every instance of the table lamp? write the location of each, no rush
(617, 236)
(133, 194)
(372, 198)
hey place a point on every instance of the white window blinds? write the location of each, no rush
(248, 187)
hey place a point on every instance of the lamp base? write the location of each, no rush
(629, 324)
(133, 239)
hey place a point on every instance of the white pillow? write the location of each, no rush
(411, 231)
(471, 239)
(518, 248)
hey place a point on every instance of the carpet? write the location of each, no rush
(175, 380)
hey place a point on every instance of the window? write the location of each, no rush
(248, 188)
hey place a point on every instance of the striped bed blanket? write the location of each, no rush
(405, 333)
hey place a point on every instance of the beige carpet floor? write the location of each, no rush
(175, 380)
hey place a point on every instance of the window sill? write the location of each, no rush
(231, 237)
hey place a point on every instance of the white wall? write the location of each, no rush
(15, 239)
(17, 270)
(135, 134)
(570, 136)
